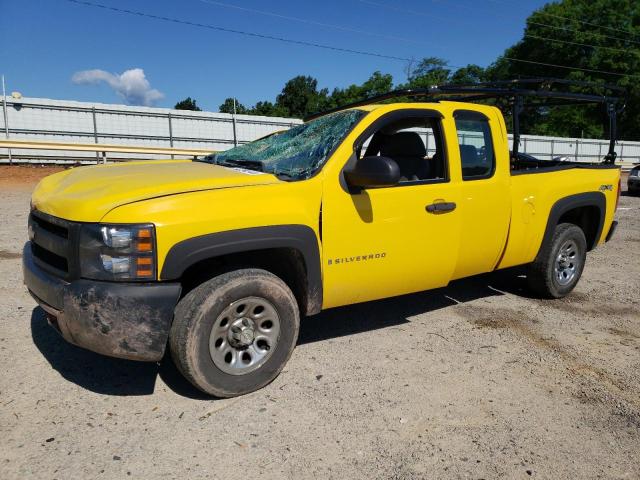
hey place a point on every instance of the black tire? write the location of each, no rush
(197, 313)
(543, 274)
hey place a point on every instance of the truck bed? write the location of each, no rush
(534, 197)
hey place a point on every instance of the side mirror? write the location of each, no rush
(373, 172)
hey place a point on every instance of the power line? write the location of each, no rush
(238, 32)
(573, 19)
(571, 68)
(472, 9)
(310, 22)
(467, 7)
(569, 29)
(384, 5)
(310, 44)
(403, 10)
(588, 23)
(546, 39)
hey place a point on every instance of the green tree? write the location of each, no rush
(555, 35)
(378, 83)
(268, 109)
(428, 72)
(300, 97)
(227, 107)
(469, 75)
(188, 104)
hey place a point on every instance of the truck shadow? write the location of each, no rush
(379, 314)
(112, 376)
(101, 374)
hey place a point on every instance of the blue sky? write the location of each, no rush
(43, 43)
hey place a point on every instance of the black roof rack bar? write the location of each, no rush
(407, 92)
(501, 92)
(551, 81)
(459, 92)
(513, 91)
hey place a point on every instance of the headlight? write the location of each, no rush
(634, 173)
(118, 252)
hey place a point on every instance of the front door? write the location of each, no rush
(383, 242)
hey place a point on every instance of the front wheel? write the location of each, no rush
(559, 264)
(234, 333)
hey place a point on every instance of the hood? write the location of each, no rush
(87, 194)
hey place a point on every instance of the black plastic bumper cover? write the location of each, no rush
(126, 320)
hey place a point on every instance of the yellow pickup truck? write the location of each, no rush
(220, 257)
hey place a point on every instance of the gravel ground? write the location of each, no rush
(473, 381)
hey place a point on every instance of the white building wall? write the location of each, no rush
(71, 121)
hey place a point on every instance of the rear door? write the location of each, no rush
(485, 205)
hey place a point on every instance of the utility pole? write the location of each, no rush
(95, 131)
(235, 135)
(6, 124)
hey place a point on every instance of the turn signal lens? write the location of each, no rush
(144, 266)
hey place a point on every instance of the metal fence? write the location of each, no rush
(69, 121)
(81, 122)
(574, 149)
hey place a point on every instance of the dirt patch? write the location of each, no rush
(488, 323)
(517, 321)
(25, 175)
(582, 304)
(5, 255)
(623, 333)
(521, 324)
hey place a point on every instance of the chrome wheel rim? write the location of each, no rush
(567, 262)
(244, 335)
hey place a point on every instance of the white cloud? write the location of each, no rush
(132, 85)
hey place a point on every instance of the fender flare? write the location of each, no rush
(562, 206)
(302, 238)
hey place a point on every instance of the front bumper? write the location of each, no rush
(126, 320)
(633, 183)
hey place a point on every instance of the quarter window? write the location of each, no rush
(476, 148)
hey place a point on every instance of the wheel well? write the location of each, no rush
(286, 263)
(587, 218)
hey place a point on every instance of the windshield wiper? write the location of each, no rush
(284, 175)
(298, 175)
(248, 164)
(204, 159)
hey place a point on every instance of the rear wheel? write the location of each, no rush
(559, 264)
(234, 333)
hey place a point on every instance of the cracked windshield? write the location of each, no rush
(296, 153)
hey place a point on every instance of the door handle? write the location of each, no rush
(441, 207)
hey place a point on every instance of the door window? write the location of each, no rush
(415, 143)
(476, 148)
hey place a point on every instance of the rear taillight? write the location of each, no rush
(618, 196)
